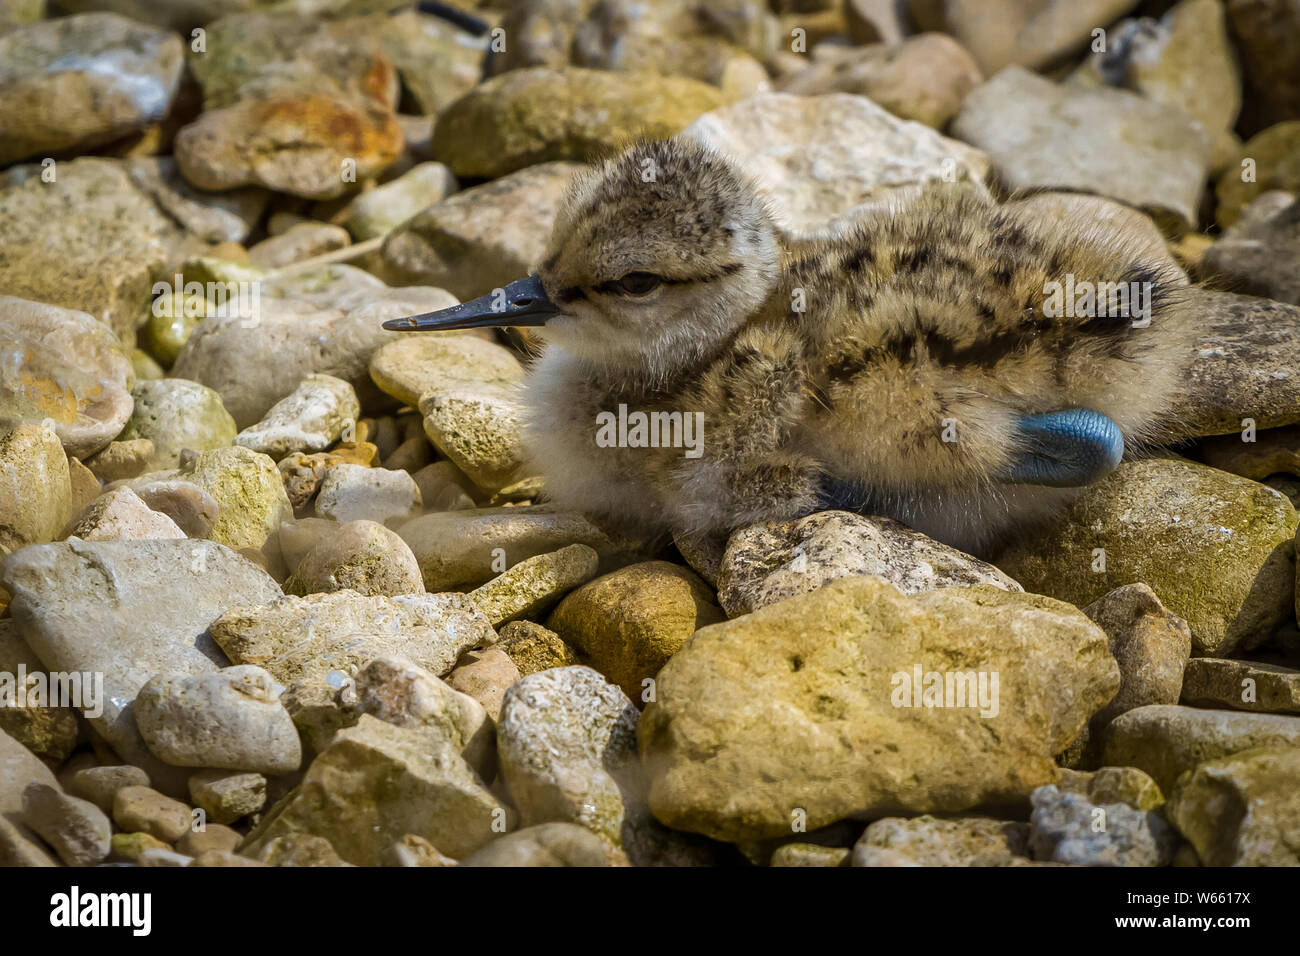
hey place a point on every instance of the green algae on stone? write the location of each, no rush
(1215, 548)
(249, 493)
(177, 414)
(532, 585)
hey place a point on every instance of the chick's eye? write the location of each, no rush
(637, 283)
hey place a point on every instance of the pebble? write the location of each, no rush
(1127, 785)
(484, 675)
(534, 648)
(230, 720)
(534, 584)
(1166, 740)
(376, 783)
(1259, 254)
(99, 784)
(122, 459)
(76, 829)
(248, 490)
(460, 550)
(63, 367)
(1206, 542)
(310, 419)
(213, 836)
(1066, 828)
(361, 556)
(414, 366)
(303, 241)
(810, 854)
(931, 841)
(806, 688)
(480, 428)
(1041, 135)
(1242, 809)
(1241, 685)
(817, 158)
(295, 637)
(176, 415)
(767, 563)
(192, 509)
(129, 847)
(412, 850)
(226, 796)
(35, 487)
(480, 238)
(80, 81)
(303, 473)
(153, 619)
(144, 810)
(532, 116)
(357, 493)
(548, 844)
(379, 211)
(628, 623)
(1272, 159)
(120, 515)
(1266, 35)
(49, 732)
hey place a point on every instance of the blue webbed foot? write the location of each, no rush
(1065, 449)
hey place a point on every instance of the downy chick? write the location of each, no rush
(917, 366)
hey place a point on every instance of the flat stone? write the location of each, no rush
(120, 515)
(931, 841)
(303, 241)
(1212, 546)
(1255, 455)
(482, 238)
(1241, 810)
(212, 217)
(806, 689)
(296, 637)
(128, 610)
(816, 159)
(627, 624)
(357, 493)
(75, 82)
(19, 768)
(35, 488)
(230, 720)
(1117, 144)
(535, 583)
(63, 367)
(311, 418)
(361, 556)
(144, 810)
(176, 414)
(770, 562)
(460, 550)
(375, 784)
(78, 831)
(532, 116)
(1167, 740)
(1241, 685)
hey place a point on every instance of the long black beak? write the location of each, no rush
(522, 302)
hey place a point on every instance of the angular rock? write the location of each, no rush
(230, 720)
(806, 690)
(1241, 810)
(76, 82)
(375, 784)
(1067, 828)
(226, 796)
(480, 428)
(1039, 135)
(310, 419)
(1167, 740)
(296, 637)
(63, 367)
(766, 563)
(532, 116)
(128, 610)
(485, 676)
(816, 158)
(1213, 547)
(535, 583)
(303, 474)
(1241, 685)
(482, 238)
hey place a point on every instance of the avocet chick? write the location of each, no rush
(954, 363)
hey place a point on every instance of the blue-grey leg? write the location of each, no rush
(1065, 449)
